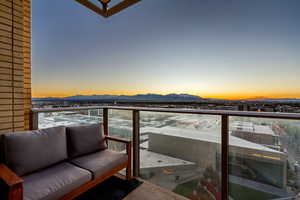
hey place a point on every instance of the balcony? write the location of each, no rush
(177, 153)
(197, 154)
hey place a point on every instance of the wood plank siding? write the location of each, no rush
(15, 65)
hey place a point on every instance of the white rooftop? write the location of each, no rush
(151, 159)
(263, 130)
(213, 137)
(155, 160)
(251, 128)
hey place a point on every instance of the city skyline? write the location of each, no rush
(227, 50)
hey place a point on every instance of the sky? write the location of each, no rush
(231, 49)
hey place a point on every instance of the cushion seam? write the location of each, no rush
(82, 168)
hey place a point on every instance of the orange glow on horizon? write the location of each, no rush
(229, 96)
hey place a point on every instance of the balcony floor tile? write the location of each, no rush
(149, 191)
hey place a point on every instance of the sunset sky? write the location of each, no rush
(211, 48)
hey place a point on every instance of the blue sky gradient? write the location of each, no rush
(210, 48)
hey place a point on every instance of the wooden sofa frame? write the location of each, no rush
(15, 183)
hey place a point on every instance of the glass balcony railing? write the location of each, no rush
(178, 152)
(201, 154)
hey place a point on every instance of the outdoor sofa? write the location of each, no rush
(58, 163)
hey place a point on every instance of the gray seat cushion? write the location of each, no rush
(54, 182)
(85, 139)
(100, 163)
(26, 152)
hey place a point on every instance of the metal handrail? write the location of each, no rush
(273, 115)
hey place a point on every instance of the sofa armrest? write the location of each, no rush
(122, 140)
(8, 176)
(13, 181)
(128, 152)
(117, 139)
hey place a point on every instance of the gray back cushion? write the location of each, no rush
(85, 139)
(26, 152)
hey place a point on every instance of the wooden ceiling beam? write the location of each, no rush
(111, 11)
(93, 7)
(121, 6)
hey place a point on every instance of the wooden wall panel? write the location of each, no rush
(27, 62)
(15, 65)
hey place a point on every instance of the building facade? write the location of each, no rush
(15, 65)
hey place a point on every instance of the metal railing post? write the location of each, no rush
(224, 160)
(136, 142)
(34, 120)
(105, 121)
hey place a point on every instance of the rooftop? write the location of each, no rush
(213, 137)
(251, 128)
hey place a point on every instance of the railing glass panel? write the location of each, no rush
(179, 152)
(263, 155)
(69, 118)
(119, 124)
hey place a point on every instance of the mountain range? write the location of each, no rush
(139, 97)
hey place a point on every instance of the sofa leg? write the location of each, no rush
(128, 168)
(128, 172)
(16, 192)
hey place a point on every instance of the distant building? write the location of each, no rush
(95, 112)
(248, 161)
(259, 134)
